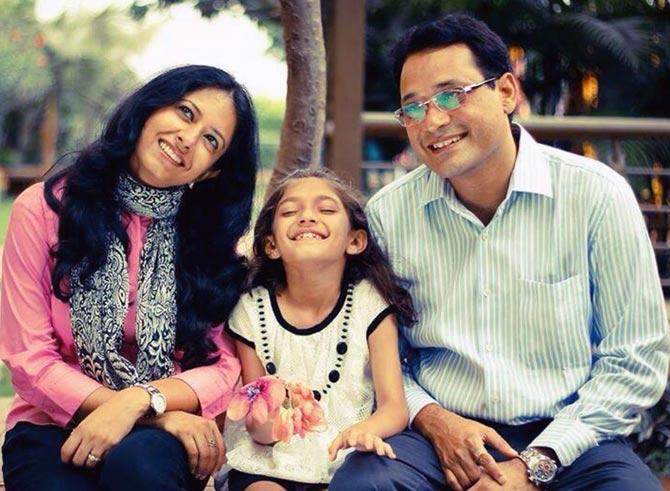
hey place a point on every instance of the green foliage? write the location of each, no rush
(6, 389)
(270, 117)
(5, 208)
(25, 77)
(266, 12)
(625, 43)
(256, 9)
(87, 60)
(75, 59)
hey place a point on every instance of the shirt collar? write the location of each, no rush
(531, 173)
(434, 189)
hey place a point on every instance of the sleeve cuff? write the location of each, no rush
(63, 391)
(569, 438)
(213, 385)
(417, 399)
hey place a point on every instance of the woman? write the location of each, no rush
(118, 273)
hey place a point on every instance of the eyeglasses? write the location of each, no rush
(446, 100)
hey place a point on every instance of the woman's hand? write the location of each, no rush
(201, 439)
(104, 427)
(357, 437)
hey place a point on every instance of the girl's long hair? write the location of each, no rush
(371, 264)
(212, 215)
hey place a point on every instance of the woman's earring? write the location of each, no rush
(190, 185)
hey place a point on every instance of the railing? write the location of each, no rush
(643, 175)
(20, 176)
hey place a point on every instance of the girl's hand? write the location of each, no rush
(201, 439)
(356, 437)
(104, 427)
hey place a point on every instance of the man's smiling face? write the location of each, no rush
(461, 142)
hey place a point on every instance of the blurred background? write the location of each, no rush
(66, 63)
(595, 77)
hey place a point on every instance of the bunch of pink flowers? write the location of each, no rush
(290, 406)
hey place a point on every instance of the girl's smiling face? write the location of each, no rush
(180, 143)
(311, 226)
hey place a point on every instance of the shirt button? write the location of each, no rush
(485, 236)
(489, 347)
(495, 399)
(486, 291)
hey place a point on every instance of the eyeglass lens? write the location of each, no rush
(445, 100)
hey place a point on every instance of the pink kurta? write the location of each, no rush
(36, 340)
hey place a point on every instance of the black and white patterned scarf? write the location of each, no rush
(98, 313)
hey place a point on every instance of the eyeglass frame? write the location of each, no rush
(459, 91)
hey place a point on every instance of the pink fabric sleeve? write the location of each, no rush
(214, 384)
(29, 344)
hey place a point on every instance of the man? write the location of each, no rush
(542, 324)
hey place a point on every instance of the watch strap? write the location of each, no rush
(154, 393)
(541, 468)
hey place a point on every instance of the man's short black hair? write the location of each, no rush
(489, 50)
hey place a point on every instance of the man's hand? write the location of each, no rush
(459, 444)
(517, 478)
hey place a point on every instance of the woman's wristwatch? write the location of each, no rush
(157, 402)
(541, 469)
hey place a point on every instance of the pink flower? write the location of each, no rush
(257, 399)
(313, 418)
(298, 427)
(267, 398)
(308, 415)
(282, 426)
(299, 393)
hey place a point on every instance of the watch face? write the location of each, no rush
(158, 403)
(544, 471)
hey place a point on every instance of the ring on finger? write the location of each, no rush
(212, 442)
(479, 454)
(93, 459)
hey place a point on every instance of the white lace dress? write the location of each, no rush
(314, 356)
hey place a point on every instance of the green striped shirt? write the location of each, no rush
(552, 310)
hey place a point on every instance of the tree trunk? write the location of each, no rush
(302, 130)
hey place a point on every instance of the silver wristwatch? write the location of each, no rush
(541, 469)
(157, 402)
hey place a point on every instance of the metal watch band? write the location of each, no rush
(156, 400)
(541, 469)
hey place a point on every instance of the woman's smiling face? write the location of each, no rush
(180, 143)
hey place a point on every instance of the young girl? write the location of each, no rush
(321, 310)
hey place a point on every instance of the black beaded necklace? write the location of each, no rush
(341, 347)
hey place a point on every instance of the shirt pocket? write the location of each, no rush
(552, 329)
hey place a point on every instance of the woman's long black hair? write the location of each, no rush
(371, 264)
(212, 215)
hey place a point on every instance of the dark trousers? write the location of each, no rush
(611, 466)
(146, 459)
